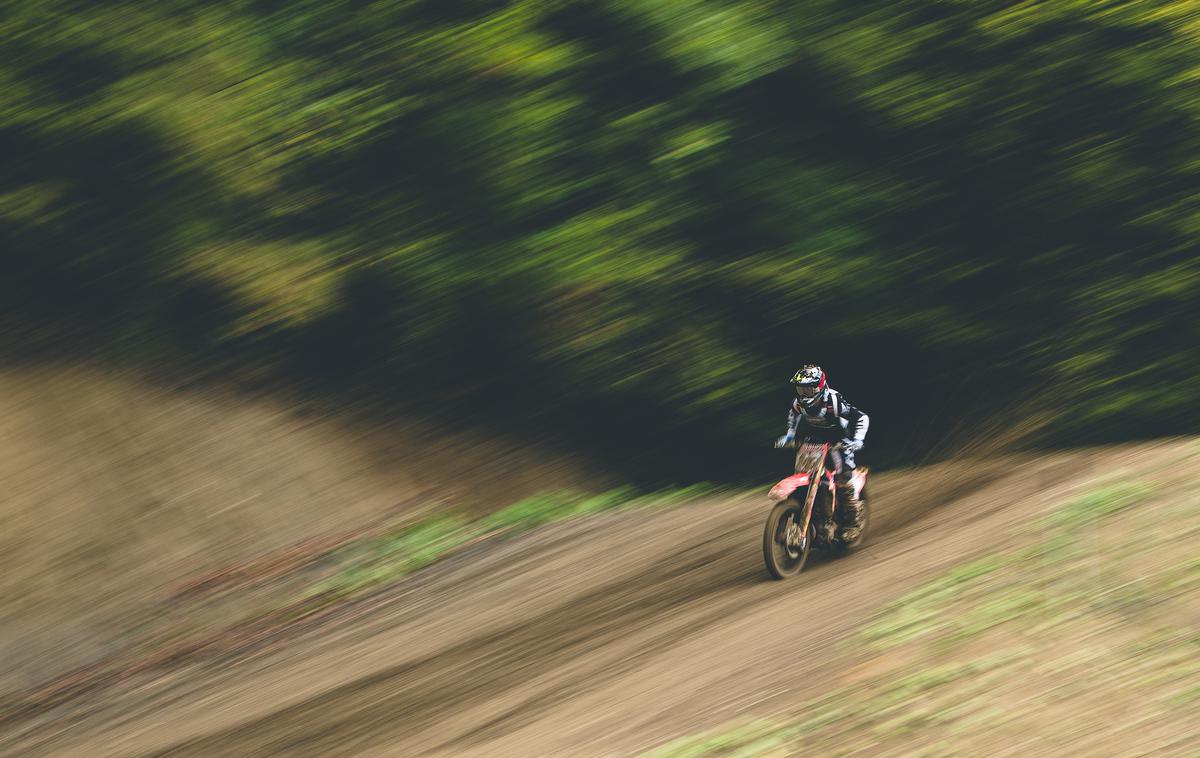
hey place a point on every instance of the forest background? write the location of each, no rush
(619, 225)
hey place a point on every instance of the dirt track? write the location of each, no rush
(606, 636)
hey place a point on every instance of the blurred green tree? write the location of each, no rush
(625, 219)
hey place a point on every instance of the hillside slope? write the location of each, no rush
(116, 489)
(608, 635)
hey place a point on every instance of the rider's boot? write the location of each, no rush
(849, 511)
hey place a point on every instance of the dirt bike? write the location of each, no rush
(805, 512)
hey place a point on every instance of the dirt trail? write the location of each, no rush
(605, 636)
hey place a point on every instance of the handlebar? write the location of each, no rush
(798, 442)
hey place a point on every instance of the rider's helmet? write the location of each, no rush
(810, 385)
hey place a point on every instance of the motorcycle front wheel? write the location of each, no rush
(783, 550)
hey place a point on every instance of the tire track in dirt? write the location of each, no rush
(503, 659)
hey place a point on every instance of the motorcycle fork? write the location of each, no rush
(811, 497)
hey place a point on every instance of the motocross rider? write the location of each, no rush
(827, 417)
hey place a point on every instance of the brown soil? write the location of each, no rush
(117, 493)
(604, 636)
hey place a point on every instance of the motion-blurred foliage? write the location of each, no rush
(625, 219)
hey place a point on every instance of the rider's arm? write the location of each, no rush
(858, 422)
(793, 416)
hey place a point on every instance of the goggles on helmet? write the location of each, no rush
(807, 390)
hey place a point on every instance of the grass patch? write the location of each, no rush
(1097, 505)
(385, 559)
(547, 507)
(921, 613)
(889, 710)
(380, 560)
(1185, 697)
(750, 739)
(979, 595)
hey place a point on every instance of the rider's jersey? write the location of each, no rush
(832, 418)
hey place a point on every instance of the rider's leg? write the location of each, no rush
(849, 507)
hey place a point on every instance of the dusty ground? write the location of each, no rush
(606, 636)
(115, 490)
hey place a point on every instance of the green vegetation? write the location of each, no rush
(556, 506)
(740, 742)
(996, 589)
(1099, 504)
(385, 559)
(375, 561)
(636, 215)
(1086, 624)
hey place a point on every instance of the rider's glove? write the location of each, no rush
(786, 440)
(852, 446)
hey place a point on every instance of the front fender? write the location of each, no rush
(786, 487)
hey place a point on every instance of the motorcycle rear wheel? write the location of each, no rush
(783, 560)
